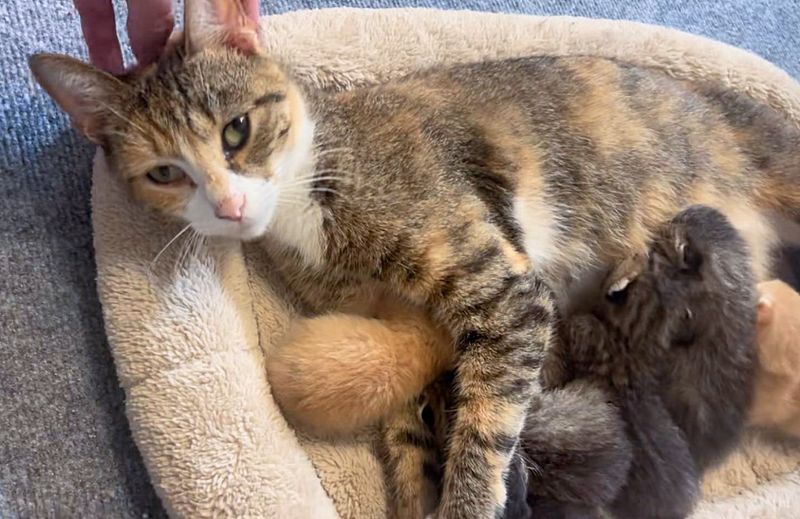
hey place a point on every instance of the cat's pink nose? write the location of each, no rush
(231, 208)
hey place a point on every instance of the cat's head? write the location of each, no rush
(701, 266)
(213, 134)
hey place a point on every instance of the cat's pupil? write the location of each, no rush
(235, 134)
(428, 417)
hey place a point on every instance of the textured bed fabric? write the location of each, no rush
(65, 449)
(189, 334)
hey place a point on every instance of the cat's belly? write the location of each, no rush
(571, 267)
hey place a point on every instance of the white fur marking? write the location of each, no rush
(539, 231)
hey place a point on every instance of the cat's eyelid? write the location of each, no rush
(181, 164)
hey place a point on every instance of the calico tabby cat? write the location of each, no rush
(470, 190)
(672, 345)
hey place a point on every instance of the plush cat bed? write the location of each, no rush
(189, 333)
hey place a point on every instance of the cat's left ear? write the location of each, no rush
(221, 22)
(86, 93)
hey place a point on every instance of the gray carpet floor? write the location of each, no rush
(65, 446)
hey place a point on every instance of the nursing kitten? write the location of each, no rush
(675, 342)
(573, 452)
(467, 189)
(682, 320)
(776, 403)
(672, 345)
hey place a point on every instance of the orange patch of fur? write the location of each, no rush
(519, 262)
(603, 113)
(776, 403)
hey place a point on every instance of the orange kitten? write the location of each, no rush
(777, 397)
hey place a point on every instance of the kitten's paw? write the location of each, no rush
(555, 372)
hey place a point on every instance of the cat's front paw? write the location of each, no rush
(470, 506)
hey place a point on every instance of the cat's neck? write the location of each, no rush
(297, 223)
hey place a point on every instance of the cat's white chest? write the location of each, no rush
(570, 268)
(539, 232)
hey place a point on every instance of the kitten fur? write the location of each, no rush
(677, 347)
(776, 402)
(476, 191)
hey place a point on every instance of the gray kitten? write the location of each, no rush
(672, 344)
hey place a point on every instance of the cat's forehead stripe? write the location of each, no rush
(274, 97)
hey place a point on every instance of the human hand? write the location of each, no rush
(150, 23)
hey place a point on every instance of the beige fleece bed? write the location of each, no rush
(189, 335)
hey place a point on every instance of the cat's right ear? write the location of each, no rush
(81, 90)
(220, 22)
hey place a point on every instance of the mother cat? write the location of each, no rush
(468, 190)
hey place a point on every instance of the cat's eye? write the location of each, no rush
(166, 175)
(235, 134)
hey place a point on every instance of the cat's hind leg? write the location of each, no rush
(412, 459)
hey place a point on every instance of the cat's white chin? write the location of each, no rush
(243, 231)
(261, 199)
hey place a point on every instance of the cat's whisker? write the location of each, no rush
(294, 203)
(322, 146)
(196, 243)
(333, 170)
(184, 251)
(199, 244)
(324, 190)
(170, 242)
(190, 249)
(303, 187)
(295, 196)
(306, 181)
(122, 117)
(333, 156)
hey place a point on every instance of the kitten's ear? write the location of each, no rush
(219, 22)
(765, 309)
(81, 90)
(691, 259)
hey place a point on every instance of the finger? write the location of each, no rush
(150, 23)
(100, 33)
(251, 9)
